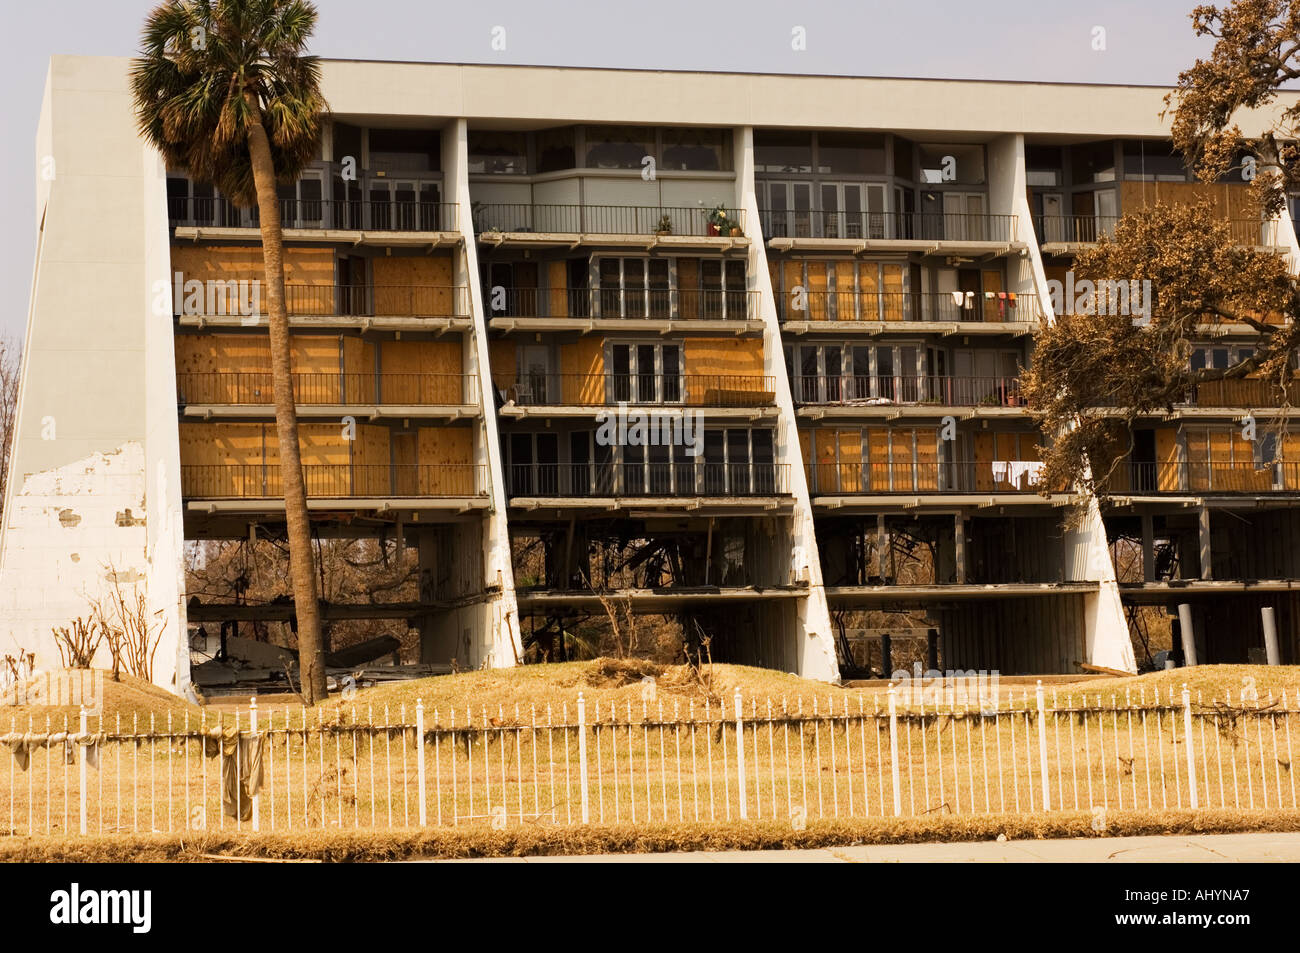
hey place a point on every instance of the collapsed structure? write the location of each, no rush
(741, 350)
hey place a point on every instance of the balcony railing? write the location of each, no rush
(682, 478)
(262, 480)
(891, 390)
(247, 297)
(601, 219)
(1244, 392)
(254, 387)
(996, 476)
(659, 304)
(889, 226)
(1203, 478)
(1087, 229)
(343, 215)
(607, 390)
(943, 306)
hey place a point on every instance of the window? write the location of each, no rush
(405, 150)
(696, 150)
(347, 142)
(1043, 165)
(555, 150)
(904, 158)
(958, 164)
(851, 153)
(498, 153)
(1092, 162)
(722, 286)
(777, 150)
(649, 373)
(618, 147)
(634, 288)
(1153, 160)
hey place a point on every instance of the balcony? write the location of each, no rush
(926, 227)
(917, 477)
(1244, 392)
(318, 215)
(939, 307)
(897, 390)
(613, 304)
(663, 222)
(253, 388)
(1202, 478)
(334, 481)
(1060, 232)
(694, 478)
(658, 390)
(246, 299)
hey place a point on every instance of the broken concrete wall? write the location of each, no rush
(79, 497)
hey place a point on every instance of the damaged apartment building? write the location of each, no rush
(736, 351)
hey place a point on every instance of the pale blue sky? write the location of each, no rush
(1043, 40)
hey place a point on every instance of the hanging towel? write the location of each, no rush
(241, 768)
(23, 744)
(957, 298)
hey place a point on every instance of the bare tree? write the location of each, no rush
(78, 643)
(10, 367)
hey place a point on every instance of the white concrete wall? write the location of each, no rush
(80, 493)
(500, 639)
(814, 648)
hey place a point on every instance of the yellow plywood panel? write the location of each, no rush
(557, 279)
(818, 281)
(805, 450)
(726, 357)
(984, 455)
(1167, 478)
(420, 372)
(850, 461)
(828, 480)
(927, 459)
(371, 473)
(582, 369)
(225, 460)
(893, 292)
(445, 453)
(994, 308)
(405, 454)
(690, 303)
(846, 298)
(504, 363)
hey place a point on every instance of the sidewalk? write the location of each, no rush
(1209, 848)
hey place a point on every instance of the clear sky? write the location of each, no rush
(1147, 41)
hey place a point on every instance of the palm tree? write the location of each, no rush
(223, 88)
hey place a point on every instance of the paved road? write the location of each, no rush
(1220, 848)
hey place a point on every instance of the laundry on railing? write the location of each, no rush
(22, 744)
(1016, 471)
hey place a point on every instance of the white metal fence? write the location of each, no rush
(843, 755)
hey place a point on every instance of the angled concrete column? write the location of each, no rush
(815, 650)
(1206, 550)
(502, 641)
(1272, 651)
(1148, 548)
(1187, 623)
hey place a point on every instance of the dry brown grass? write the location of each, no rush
(129, 698)
(336, 846)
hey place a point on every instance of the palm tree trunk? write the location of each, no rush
(302, 564)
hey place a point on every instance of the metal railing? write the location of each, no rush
(1225, 478)
(889, 226)
(683, 760)
(606, 390)
(655, 303)
(1244, 392)
(262, 480)
(945, 306)
(601, 219)
(336, 214)
(996, 476)
(686, 477)
(254, 387)
(1087, 229)
(246, 298)
(892, 389)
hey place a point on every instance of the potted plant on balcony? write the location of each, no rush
(665, 226)
(719, 223)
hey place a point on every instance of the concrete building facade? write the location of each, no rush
(739, 350)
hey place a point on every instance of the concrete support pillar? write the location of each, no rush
(1188, 627)
(1148, 548)
(959, 537)
(1272, 650)
(427, 549)
(1207, 570)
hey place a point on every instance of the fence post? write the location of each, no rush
(893, 749)
(582, 757)
(1042, 747)
(81, 793)
(419, 755)
(1187, 738)
(740, 757)
(252, 729)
